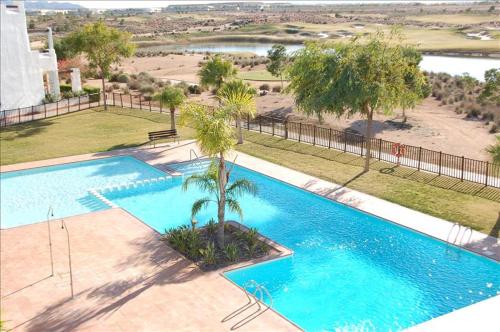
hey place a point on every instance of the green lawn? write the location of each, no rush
(469, 204)
(257, 75)
(81, 132)
(95, 130)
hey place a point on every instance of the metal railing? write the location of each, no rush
(48, 110)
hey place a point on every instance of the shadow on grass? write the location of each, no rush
(443, 182)
(25, 130)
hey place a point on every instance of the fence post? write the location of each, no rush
(486, 174)
(45, 109)
(314, 135)
(330, 138)
(260, 125)
(419, 157)
(113, 94)
(68, 103)
(272, 124)
(121, 100)
(160, 108)
(19, 115)
(131, 96)
(140, 102)
(88, 98)
(463, 162)
(79, 102)
(379, 149)
(286, 129)
(362, 145)
(150, 105)
(33, 112)
(345, 141)
(300, 130)
(440, 156)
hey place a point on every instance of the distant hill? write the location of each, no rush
(45, 4)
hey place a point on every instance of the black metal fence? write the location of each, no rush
(421, 159)
(43, 111)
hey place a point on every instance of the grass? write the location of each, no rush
(81, 132)
(466, 203)
(257, 75)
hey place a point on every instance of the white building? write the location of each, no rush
(23, 70)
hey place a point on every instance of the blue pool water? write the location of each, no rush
(349, 271)
(25, 196)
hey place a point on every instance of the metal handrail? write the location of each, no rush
(451, 231)
(50, 213)
(261, 290)
(191, 152)
(463, 234)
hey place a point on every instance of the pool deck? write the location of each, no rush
(184, 293)
(124, 279)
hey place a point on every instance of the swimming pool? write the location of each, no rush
(350, 270)
(25, 196)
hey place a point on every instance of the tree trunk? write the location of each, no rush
(404, 116)
(240, 131)
(222, 201)
(281, 78)
(172, 118)
(104, 91)
(368, 135)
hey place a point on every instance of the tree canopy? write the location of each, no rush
(278, 59)
(378, 74)
(171, 97)
(216, 71)
(102, 46)
(491, 90)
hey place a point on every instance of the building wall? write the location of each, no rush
(21, 68)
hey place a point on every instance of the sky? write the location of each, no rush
(113, 4)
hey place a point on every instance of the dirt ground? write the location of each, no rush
(429, 125)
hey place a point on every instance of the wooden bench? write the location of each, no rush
(156, 135)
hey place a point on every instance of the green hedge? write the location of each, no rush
(95, 92)
(65, 88)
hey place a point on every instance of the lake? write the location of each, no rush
(452, 65)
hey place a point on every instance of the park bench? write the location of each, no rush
(156, 135)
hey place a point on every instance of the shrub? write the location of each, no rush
(208, 254)
(122, 78)
(194, 89)
(231, 252)
(109, 88)
(126, 90)
(115, 86)
(277, 88)
(134, 85)
(183, 86)
(264, 86)
(94, 91)
(65, 88)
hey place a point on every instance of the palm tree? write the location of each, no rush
(171, 98)
(214, 135)
(239, 99)
(209, 182)
(215, 71)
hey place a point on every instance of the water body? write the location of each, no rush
(436, 63)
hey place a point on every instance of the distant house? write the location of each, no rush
(26, 75)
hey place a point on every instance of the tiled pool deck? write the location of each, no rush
(125, 279)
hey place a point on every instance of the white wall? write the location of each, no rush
(21, 68)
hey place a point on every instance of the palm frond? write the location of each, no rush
(240, 187)
(199, 204)
(234, 206)
(206, 182)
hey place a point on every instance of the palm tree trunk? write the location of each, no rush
(172, 118)
(240, 131)
(104, 91)
(368, 135)
(222, 201)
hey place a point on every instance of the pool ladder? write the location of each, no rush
(459, 239)
(196, 159)
(260, 290)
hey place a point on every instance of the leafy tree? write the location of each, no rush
(63, 48)
(469, 83)
(239, 100)
(491, 89)
(355, 77)
(102, 46)
(417, 85)
(209, 183)
(494, 150)
(277, 61)
(214, 135)
(171, 98)
(215, 71)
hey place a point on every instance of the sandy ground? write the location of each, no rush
(429, 125)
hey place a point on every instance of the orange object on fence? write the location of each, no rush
(398, 149)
